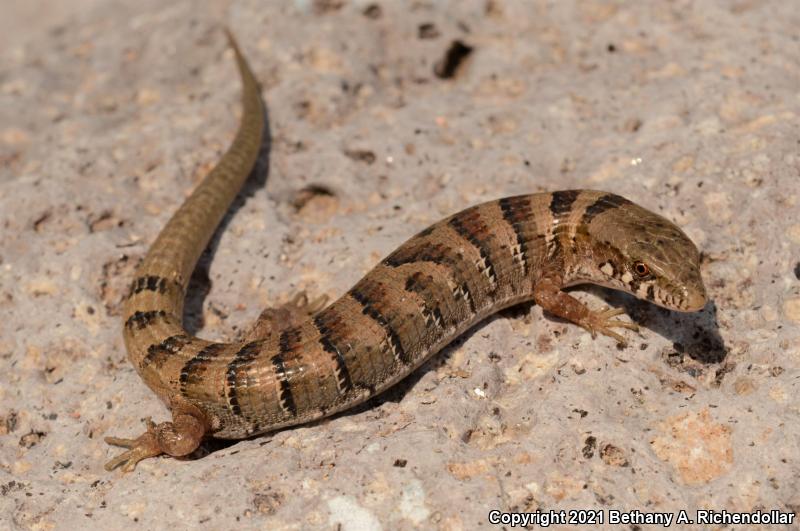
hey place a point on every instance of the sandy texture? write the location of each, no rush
(110, 113)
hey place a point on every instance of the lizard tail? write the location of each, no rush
(153, 309)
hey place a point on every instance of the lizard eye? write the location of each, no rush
(641, 269)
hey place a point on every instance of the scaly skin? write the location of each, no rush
(301, 362)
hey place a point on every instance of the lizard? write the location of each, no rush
(304, 361)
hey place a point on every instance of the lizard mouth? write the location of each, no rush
(687, 300)
(695, 300)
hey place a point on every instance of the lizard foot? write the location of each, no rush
(144, 446)
(601, 321)
(177, 438)
(274, 320)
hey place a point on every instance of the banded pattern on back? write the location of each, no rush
(194, 376)
(236, 374)
(440, 254)
(431, 287)
(158, 354)
(446, 275)
(327, 331)
(375, 302)
(469, 225)
(154, 283)
(603, 203)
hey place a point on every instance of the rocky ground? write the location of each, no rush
(386, 116)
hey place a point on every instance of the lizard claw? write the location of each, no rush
(144, 446)
(601, 321)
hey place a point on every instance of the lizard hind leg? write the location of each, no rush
(274, 320)
(178, 438)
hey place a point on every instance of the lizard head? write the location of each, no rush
(645, 254)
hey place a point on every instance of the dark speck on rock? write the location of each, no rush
(373, 11)
(427, 31)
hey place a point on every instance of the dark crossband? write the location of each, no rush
(288, 341)
(149, 283)
(342, 373)
(193, 371)
(602, 204)
(286, 398)
(469, 225)
(369, 310)
(424, 233)
(517, 212)
(560, 206)
(159, 353)
(246, 354)
(426, 288)
(435, 253)
(141, 320)
(561, 203)
(425, 252)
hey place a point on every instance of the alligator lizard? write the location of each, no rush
(301, 362)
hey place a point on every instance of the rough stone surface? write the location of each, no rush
(111, 111)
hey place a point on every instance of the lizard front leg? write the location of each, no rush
(547, 294)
